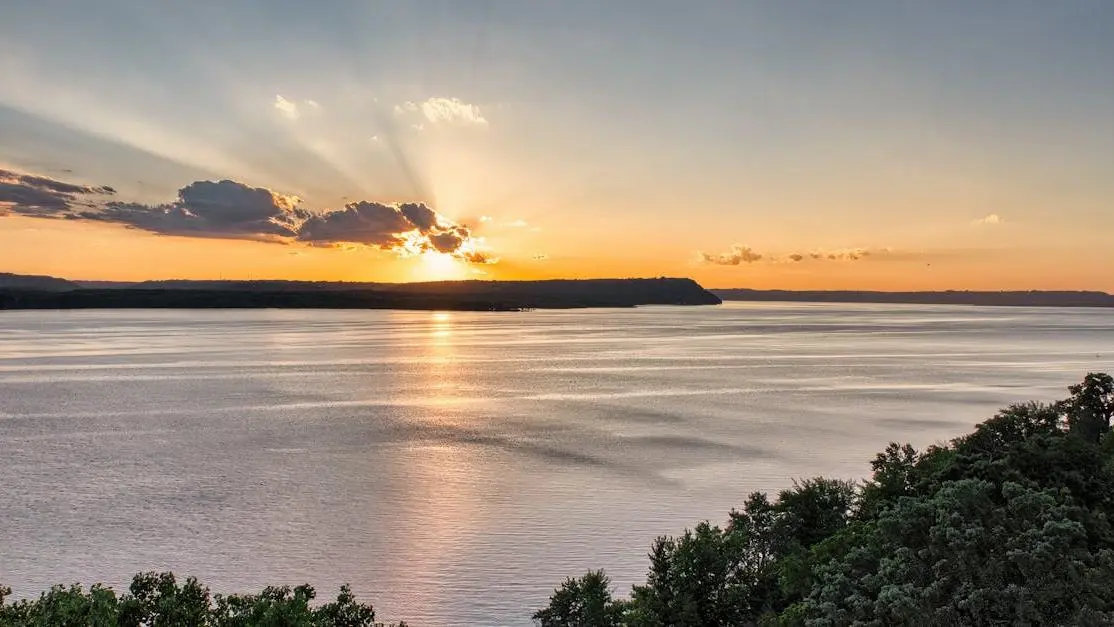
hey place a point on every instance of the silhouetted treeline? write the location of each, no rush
(1009, 525)
(452, 295)
(1033, 298)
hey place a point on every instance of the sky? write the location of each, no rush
(807, 144)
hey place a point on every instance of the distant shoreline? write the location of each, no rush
(44, 292)
(51, 293)
(1034, 298)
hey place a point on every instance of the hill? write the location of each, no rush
(10, 281)
(460, 295)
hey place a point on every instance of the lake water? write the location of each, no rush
(455, 467)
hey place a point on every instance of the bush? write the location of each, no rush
(157, 600)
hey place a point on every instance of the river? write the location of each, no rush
(455, 467)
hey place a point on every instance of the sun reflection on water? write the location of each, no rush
(442, 369)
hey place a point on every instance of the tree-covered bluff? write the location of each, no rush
(1009, 525)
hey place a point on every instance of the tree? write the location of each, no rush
(894, 476)
(156, 600)
(1091, 406)
(695, 579)
(960, 558)
(583, 602)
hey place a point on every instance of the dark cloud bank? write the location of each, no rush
(39, 196)
(228, 209)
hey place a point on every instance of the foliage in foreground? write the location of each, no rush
(1010, 524)
(157, 600)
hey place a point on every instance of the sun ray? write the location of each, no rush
(437, 266)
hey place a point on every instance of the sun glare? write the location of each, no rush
(436, 266)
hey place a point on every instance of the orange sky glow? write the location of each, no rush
(866, 155)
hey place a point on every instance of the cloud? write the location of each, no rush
(486, 218)
(294, 110)
(212, 209)
(229, 209)
(840, 254)
(286, 107)
(39, 196)
(990, 219)
(738, 254)
(445, 111)
(448, 241)
(406, 228)
(478, 257)
(362, 222)
(846, 254)
(419, 215)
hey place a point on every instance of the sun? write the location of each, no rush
(437, 266)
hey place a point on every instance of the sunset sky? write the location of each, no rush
(804, 144)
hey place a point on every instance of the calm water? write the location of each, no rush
(454, 467)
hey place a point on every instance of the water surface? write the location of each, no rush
(454, 467)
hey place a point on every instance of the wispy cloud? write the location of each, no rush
(288, 108)
(843, 254)
(990, 219)
(444, 111)
(738, 254)
(292, 110)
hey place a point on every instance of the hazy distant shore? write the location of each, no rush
(988, 299)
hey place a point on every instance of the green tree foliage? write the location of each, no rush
(585, 602)
(157, 600)
(1091, 406)
(1010, 524)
